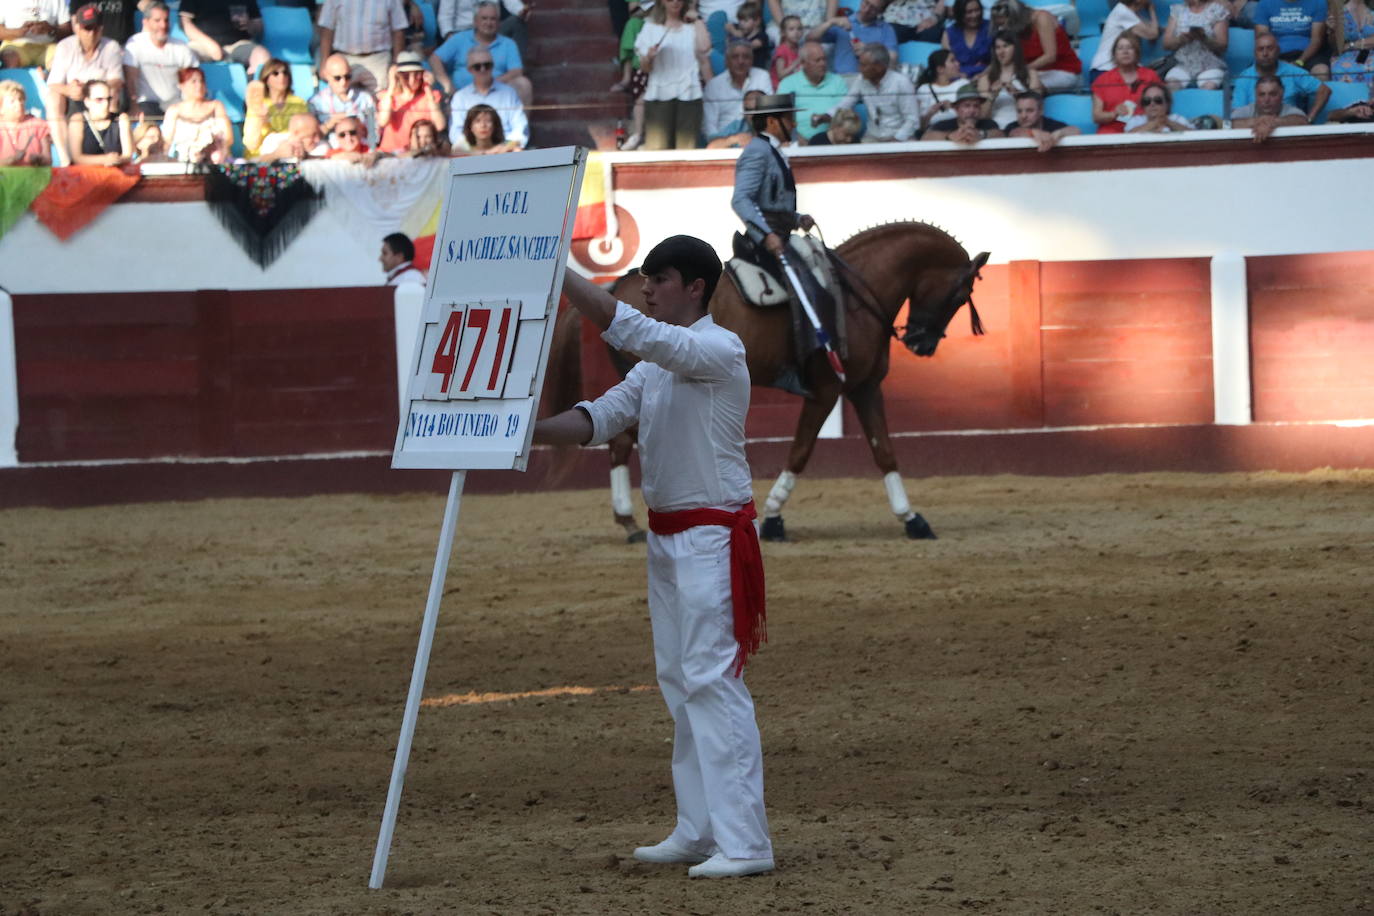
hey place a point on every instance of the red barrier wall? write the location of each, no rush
(208, 373)
(255, 373)
(1312, 336)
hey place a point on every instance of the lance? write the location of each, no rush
(812, 317)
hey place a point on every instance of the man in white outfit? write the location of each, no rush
(689, 396)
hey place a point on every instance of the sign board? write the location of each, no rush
(472, 387)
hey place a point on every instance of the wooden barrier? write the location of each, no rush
(312, 372)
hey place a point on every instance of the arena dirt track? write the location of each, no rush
(1117, 694)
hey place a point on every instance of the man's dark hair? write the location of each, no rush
(1031, 94)
(691, 257)
(400, 243)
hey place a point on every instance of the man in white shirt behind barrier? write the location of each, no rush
(689, 396)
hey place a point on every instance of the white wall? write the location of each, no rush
(1259, 209)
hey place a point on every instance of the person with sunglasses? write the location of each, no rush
(1155, 115)
(486, 91)
(349, 135)
(448, 59)
(97, 136)
(87, 55)
(337, 98)
(1116, 93)
(270, 105)
(409, 97)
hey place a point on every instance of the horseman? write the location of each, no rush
(765, 199)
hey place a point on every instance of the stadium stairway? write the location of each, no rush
(571, 65)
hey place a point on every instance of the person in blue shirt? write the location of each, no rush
(1300, 88)
(1300, 26)
(449, 60)
(851, 33)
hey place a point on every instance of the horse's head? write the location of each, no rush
(937, 296)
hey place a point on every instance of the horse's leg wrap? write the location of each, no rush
(896, 496)
(777, 497)
(621, 503)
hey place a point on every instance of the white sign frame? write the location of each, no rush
(538, 309)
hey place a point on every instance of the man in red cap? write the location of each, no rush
(85, 56)
(689, 396)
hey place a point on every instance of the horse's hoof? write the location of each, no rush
(918, 529)
(639, 537)
(772, 529)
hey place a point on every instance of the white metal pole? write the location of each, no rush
(1230, 341)
(417, 678)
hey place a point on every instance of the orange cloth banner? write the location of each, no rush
(78, 194)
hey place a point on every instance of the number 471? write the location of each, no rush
(463, 343)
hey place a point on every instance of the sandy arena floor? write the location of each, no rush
(1118, 694)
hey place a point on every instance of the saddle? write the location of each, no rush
(763, 287)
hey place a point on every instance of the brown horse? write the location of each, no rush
(883, 268)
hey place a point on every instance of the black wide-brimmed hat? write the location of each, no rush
(774, 104)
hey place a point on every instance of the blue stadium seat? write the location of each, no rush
(1091, 15)
(1072, 109)
(286, 33)
(303, 80)
(35, 91)
(1343, 95)
(1240, 49)
(916, 53)
(228, 83)
(715, 26)
(1194, 103)
(1087, 48)
(431, 23)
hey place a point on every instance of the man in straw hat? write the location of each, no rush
(689, 395)
(765, 199)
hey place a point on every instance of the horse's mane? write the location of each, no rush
(901, 226)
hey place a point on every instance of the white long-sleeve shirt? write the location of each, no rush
(689, 396)
(891, 106)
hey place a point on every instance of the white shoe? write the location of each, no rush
(633, 141)
(718, 866)
(669, 853)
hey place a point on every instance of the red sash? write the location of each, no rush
(746, 568)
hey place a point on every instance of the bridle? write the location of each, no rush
(910, 334)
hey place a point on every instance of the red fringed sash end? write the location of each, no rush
(746, 569)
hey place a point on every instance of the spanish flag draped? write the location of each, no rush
(591, 213)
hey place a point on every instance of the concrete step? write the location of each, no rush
(559, 25)
(560, 80)
(596, 133)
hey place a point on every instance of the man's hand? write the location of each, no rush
(1263, 127)
(818, 119)
(772, 242)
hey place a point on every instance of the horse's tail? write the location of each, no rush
(563, 374)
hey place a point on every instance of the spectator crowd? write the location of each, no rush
(211, 81)
(894, 70)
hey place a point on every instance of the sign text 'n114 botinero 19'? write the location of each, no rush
(483, 342)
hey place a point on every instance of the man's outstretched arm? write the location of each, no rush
(597, 305)
(571, 427)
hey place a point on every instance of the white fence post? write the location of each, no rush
(9, 384)
(1230, 341)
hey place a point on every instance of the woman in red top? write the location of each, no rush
(407, 99)
(1044, 43)
(1116, 93)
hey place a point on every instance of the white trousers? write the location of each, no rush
(717, 757)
